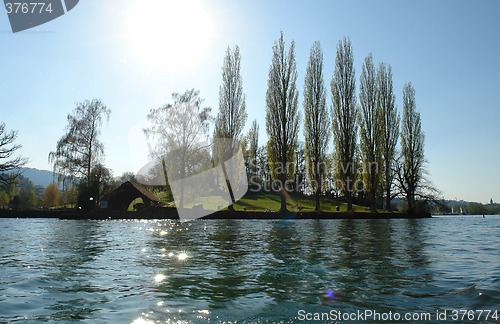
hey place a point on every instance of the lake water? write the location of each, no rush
(247, 271)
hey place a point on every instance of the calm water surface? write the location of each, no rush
(245, 271)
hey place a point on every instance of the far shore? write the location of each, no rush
(171, 213)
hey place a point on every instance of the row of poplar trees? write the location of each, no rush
(387, 170)
(365, 133)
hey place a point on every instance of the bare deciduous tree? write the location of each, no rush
(316, 121)
(282, 114)
(344, 112)
(7, 150)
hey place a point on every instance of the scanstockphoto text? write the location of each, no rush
(350, 177)
(371, 315)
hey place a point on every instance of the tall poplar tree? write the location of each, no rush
(232, 113)
(412, 147)
(316, 121)
(344, 112)
(282, 114)
(253, 140)
(389, 120)
(370, 130)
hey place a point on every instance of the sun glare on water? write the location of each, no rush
(160, 278)
(182, 256)
(169, 35)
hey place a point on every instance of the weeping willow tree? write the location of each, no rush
(80, 149)
(79, 152)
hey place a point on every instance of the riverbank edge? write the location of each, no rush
(171, 213)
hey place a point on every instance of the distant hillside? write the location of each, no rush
(38, 177)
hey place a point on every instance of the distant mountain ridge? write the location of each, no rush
(38, 177)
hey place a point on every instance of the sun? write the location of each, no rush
(169, 35)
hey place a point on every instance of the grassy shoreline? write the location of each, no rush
(254, 205)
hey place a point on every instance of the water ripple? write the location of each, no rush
(249, 271)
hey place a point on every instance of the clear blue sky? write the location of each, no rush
(134, 54)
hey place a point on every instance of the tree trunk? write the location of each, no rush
(168, 190)
(283, 208)
(388, 199)
(229, 188)
(373, 202)
(373, 193)
(411, 203)
(318, 195)
(349, 201)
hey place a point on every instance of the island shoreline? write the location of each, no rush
(171, 213)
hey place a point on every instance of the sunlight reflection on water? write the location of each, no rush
(182, 256)
(253, 271)
(160, 278)
(141, 320)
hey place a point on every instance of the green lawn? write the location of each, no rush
(261, 201)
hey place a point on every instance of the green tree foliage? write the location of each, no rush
(253, 141)
(127, 176)
(263, 169)
(475, 208)
(80, 150)
(20, 191)
(300, 168)
(282, 114)
(389, 119)
(27, 198)
(69, 197)
(50, 196)
(91, 193)
(244, 147)
(344, 112)
(370, 130)
(15, 183)
(316, 121)
(4, 199)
